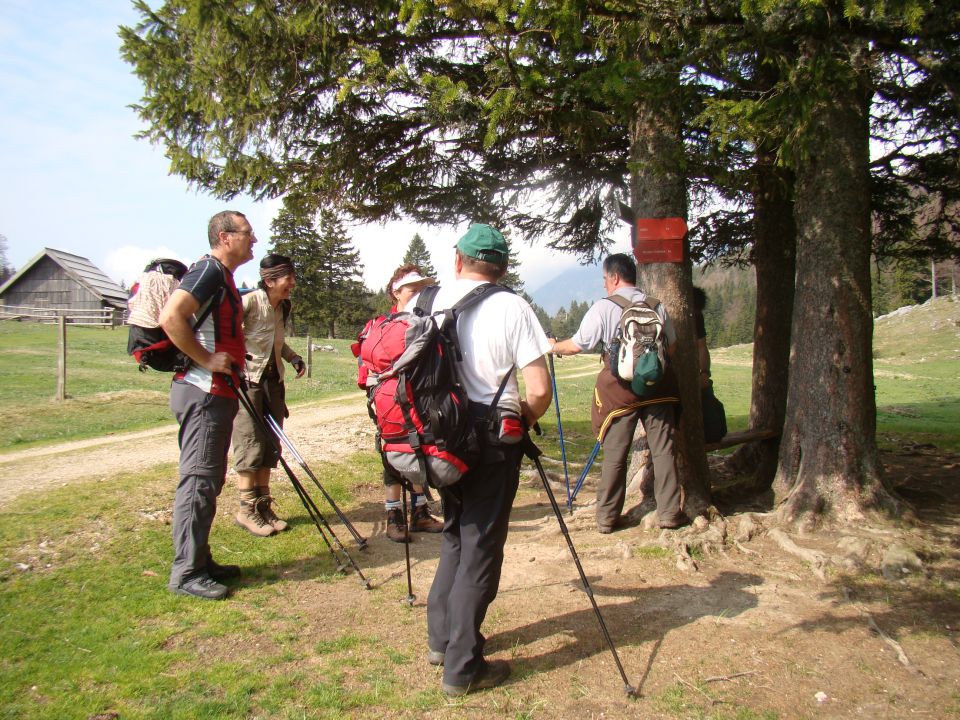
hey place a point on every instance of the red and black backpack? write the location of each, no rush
(408, 364)
(150, 346)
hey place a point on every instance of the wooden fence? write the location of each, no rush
(101, 317)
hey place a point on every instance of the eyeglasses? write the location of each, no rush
(242, 232)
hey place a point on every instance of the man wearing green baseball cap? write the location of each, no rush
(484, 243)
(498, 334)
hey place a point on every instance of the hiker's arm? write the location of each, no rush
(536, 380)
(703, 360)
(565, 347)
(175, 321)
(290, 355)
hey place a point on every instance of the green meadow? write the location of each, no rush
(916, 368)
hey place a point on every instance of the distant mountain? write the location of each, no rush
(582, 283)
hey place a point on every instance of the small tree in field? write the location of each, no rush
(330, 297)
(418, 254)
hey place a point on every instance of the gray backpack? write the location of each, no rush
(637, 354)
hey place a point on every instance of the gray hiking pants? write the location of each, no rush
(659, 421)
(206, 422)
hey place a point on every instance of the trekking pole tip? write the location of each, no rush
(411, 599)
(631, 691)
(362, 544)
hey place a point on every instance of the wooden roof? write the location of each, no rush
(81, 270)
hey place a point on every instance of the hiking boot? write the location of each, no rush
(618, 524)
(249, 518)
(679, 521)
(422, 521)
(435, 657)
(222, 572)
(204, 587)
(488, 676)
(266, 512)
(396, 527)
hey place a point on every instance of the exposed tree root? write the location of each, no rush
(816, 560)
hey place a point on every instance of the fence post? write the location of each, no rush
(309, 357)
(61, 356)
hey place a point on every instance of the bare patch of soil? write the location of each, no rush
(719, 620)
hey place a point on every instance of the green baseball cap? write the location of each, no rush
(484, 243)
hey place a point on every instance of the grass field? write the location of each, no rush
(106, 393)
(916, 363)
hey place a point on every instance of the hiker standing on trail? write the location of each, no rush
(406, 281)
(617, 410)
(202, 401)
(498, 334)
(265, 314)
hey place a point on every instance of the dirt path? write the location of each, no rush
(323, 428)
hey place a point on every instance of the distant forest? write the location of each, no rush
(732, 297)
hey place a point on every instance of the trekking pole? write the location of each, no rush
(583, 475)
(404, 489)
(533, 452)
(563, 449)
(282, 436)
(312, 510)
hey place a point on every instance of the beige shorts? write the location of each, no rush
(252, 450)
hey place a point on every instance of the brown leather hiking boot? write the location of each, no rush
(265, 507)
(396, 527)
(422, 521)
(250, 519)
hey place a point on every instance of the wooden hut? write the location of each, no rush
(55, 282)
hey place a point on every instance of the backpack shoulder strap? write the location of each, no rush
(216, 299)
(425, 301)
(476, 295)
(651, 302)
(619, 300)
(467, 301)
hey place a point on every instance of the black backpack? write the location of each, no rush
(409, 367)
(147, 342)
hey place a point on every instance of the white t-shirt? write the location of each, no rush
(500, 331)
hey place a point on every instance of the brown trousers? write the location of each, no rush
(659, 422)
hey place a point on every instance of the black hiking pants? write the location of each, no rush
(476, 515)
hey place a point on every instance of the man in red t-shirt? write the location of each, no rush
(201, 400)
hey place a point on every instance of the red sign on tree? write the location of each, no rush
(660, 240)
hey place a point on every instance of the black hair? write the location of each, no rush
(623, 265)
(699, 299)
(272, 260)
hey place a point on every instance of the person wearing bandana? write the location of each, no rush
(266, 311)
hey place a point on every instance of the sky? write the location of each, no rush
(73, 178)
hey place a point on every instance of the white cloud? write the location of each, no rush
(127, 262)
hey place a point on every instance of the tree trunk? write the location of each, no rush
(774, 261)
(828, 465)
(658, 189)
